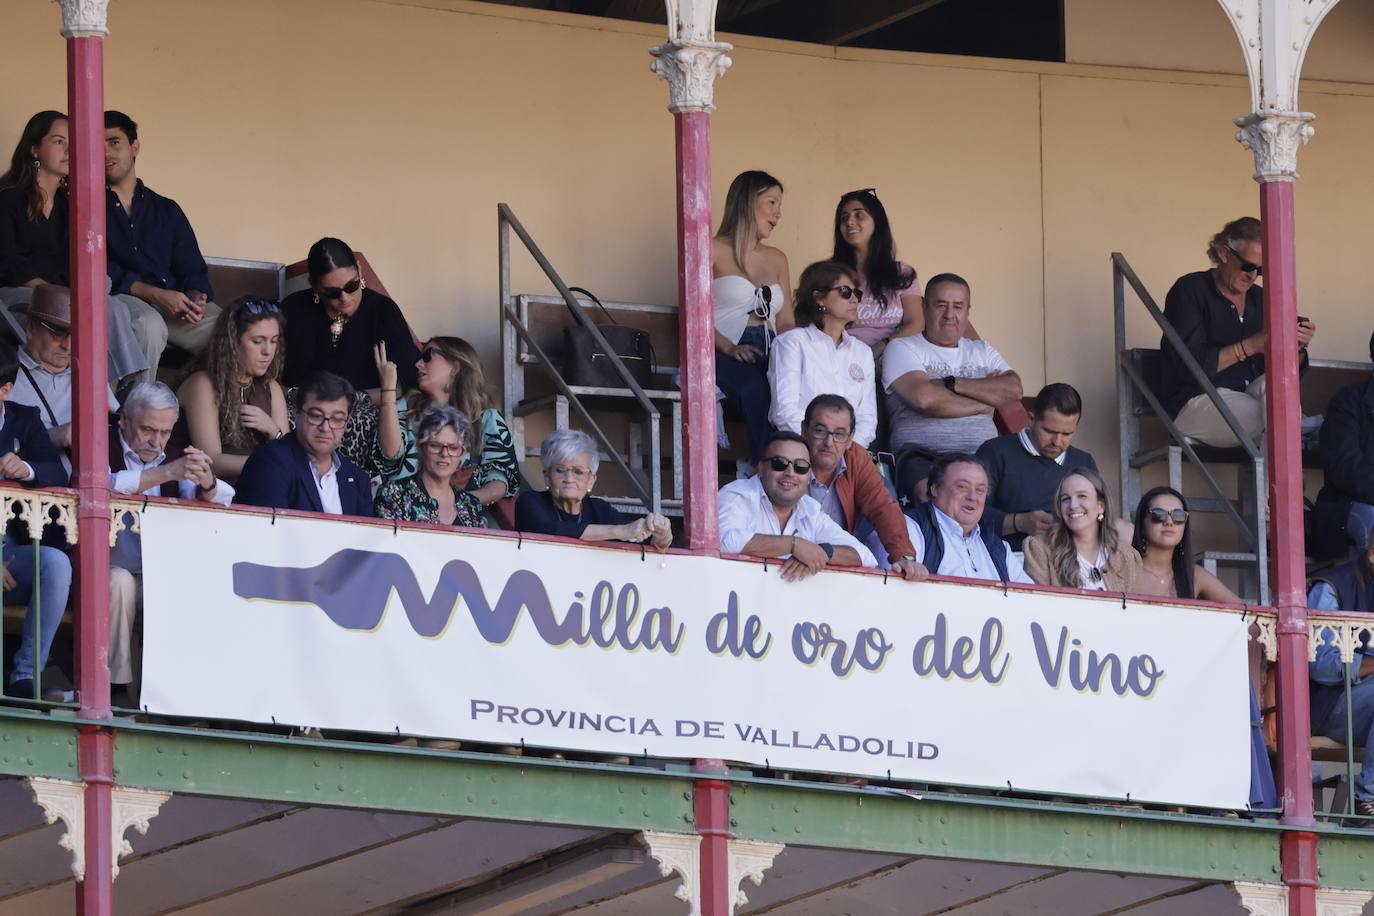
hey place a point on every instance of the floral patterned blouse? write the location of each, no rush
(407, 501)
(496, 462)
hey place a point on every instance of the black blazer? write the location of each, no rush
(24, 434)
(277, 475)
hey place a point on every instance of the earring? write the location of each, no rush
(1101, 516)
(362, 284)
(37, 166)
(317, 298)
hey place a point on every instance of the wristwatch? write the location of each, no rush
(949, 383)
(829, 550)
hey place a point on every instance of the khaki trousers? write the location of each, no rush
(1200, 420)
(126, 598)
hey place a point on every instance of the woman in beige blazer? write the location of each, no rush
(1082, 549)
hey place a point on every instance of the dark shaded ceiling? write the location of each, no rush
(1016, 29)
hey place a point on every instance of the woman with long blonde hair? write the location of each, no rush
(1082, 549)
(449, 372)
(236, 402)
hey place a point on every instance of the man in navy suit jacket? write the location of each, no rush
(304, 470)
(28, 456)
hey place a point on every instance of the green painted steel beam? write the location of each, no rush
(1346, 861)
(32, 744)
(360, 775)
(997, 830)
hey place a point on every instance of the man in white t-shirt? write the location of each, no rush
(941, 386)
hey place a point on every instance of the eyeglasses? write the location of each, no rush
(1159, 515)
(780, 464)
(429, 353)
(53, 329)
(1247, 266)
(338, 292)
(873, 191)
(255, 306)
(574, 473)
(320, 419)
(822, 433)
(848, 292)
(443, 448)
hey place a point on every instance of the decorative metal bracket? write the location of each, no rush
(65, 800)
(118, 512)
(680, 853)
(39, 508)
(749, 859)
(1268, 636)
(1335, 901)
(1345, 634)
(1262, 899)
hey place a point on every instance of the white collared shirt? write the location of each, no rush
(745, 511)
(328, 485)
(965, 556)
(1029, 446)
(805, 362)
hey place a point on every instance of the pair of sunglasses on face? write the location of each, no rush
(1247, 266)
(848, 292)
(338, 292)
(1178, 516)
(780, 464)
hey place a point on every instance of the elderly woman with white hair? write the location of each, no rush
(431, 495)
(567, 509)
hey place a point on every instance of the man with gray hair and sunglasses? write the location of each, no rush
(144, 461)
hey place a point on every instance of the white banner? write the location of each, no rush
(351, 626)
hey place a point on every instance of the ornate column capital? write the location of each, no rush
(84, 18)
(1262, 899)
(691, 68)
(1274, 137)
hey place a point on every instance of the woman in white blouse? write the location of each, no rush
(819, 356)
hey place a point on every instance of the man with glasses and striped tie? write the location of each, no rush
(770, 515)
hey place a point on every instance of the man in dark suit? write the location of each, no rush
(305, 470)
(28, 456)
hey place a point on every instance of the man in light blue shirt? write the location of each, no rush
(948, 533)
(770, 515)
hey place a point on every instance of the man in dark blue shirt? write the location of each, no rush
(155, 263)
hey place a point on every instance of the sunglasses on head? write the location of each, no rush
(1158, 515)
(338, 292)
(848, 292)
(872, 191)
(780, 464)
(255, 306)
(1247, 266)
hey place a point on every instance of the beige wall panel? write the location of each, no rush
(1195, 35)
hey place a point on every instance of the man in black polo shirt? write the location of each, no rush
(1219, 313)
(1024, 469)
(155, 263)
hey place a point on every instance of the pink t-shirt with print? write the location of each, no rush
(878, 321)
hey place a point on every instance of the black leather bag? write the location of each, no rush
(585, 364)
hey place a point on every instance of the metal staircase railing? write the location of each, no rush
(507, 221)
(1249, 520)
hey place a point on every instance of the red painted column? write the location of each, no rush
(1284, 416)
(696, 329)
(711, 805)
(86, 187)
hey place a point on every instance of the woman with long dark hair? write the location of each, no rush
(819, 356)
(236, 402)
(892, 300)
(33, 235)
(1082, 548)
(750, 288)
(1167, 570)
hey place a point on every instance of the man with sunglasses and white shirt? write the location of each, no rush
(305, 470)
(770, 515)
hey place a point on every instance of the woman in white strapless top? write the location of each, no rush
(750, 289)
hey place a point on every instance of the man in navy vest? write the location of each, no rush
(1348, 587)
(305, 470)
(947, 531)
(142, 461)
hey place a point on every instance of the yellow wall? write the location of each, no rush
(399, 125)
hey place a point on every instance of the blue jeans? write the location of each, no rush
(55, 581)
(1362, 705)
(745, 385)
(1359, 524)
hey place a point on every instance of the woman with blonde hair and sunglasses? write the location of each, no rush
(236, 402)
(819, 356)
(1083, 548)
(449, 372)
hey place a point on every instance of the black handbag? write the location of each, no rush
(585, 363)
